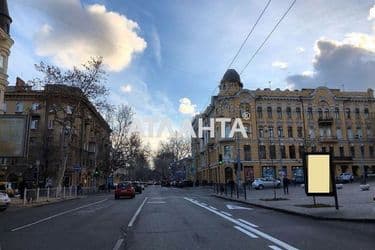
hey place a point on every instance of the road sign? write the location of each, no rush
(238, 207)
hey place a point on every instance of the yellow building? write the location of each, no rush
(281, 126)
(6, 43)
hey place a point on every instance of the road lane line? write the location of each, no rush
(56, 215)
(137, 213)
(204, 204)
(227, 214)
(156, 202)
(274, 247)
(214, 208)
(251, 229)
(246, 232)
(118, 244)
(247, 223)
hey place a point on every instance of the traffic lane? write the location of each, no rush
(98, 226)
(305, 233)
(170, 222)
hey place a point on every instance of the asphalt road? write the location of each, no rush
(170, 218)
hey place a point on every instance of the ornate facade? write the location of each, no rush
(281, 126)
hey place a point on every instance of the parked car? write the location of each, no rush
(298, 179)
(124, 189)
(137, 186)
(345, 178)
(261, 183)
(4, 201)
(9, 188)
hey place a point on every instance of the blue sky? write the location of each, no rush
(173, 52)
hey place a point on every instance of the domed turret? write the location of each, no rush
(230, 84)
(5, 19)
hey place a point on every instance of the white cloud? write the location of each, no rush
(371, 14)
(300, 50)
(127, 88)
(73, 33)
(186, 107)
(308, 73)
(280, 65)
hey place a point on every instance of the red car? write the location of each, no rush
(124, 189)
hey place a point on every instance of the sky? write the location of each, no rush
(166, 58)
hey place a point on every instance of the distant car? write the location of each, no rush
(137, 186)
(261, 183)
(188, 183)
(4, 201)
(298, 179)
(345, 178)
(124, 189)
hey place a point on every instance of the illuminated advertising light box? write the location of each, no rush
(319, 174)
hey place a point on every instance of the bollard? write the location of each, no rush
(37, 194)
(64, 192)
(24, 196)
(70, 191)
(244, 190)
(48, 194)
(231, 190)
(237, 188)
(225, 189)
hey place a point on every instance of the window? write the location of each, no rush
(366, 113)
(282, 151)
(290, 132)
(19, 107)
(357, 115)
(339, 133)
(34, 123)
(245, 110)
(362, 148)
(289, 112)
(298, 113)
(261, 132)
(247, 152)
(260, 112)
(292, 152)
(248, 130)
(227, 153)
(301, 151)
(369, 132)
(342, 154)
(352, 151)
(337, 113)
(34, 106)
(299, 132)
(326, 113)
(272, 152)
(270, 129)
(279, 113)
(313, 148)
(280, 132)
(320, 113)
(332, 150)
(309, 113)
(324, 149)
(371, 151)
(349, 133)
(269, 112)
(347, 113)
(359, 132)
(325, 131)
(69, 110)
(227, 129)
(262, 152)
(311, 132)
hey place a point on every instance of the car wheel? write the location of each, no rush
(260, 187)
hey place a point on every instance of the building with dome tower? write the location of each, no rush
(281, 125)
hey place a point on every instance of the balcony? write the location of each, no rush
(326, 121)
(328, 139)
(342, 159)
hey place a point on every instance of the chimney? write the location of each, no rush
(20, 84)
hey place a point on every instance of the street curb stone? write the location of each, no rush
(366, 220)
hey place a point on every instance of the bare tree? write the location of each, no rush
(70, 92)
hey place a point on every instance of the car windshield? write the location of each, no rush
(187, 124)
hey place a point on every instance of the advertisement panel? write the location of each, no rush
(319, 174)
(13, 134)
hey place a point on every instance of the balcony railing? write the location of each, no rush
(328, 139)
(325, 120)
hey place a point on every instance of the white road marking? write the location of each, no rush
(227, 214)
(56, 215)
(156, 202)
(274, 247)
(118, 244)
(137, 213)
(246, 232)
(253, 230)
(229, 206)
(214, 208)
(248, 223)
(204, 204)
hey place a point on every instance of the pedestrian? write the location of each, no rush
(285, 184)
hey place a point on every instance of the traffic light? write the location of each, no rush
(96, 173)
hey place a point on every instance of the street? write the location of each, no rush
(171, 218)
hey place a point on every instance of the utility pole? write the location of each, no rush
(238, 172)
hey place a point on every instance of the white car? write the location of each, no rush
(4, 201)
(261, 183)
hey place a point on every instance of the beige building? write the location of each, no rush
(281, 126)
(89, 152)
(6, 43)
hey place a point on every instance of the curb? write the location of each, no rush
(43, 204)
(316, 217)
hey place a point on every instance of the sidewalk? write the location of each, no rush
(354, 204)
(18, 203)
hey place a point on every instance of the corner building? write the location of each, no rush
(281, 126)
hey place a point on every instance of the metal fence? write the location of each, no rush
(49, 194)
